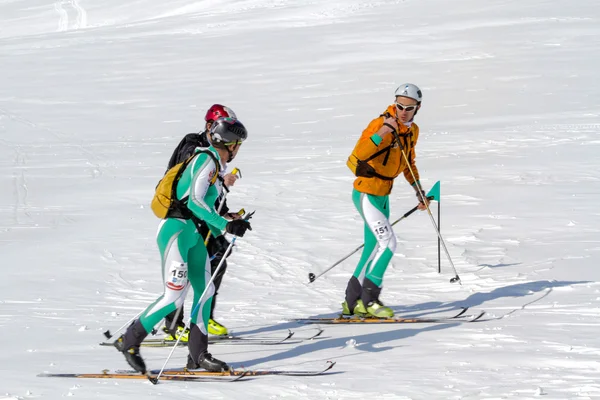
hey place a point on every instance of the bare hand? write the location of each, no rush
(422, 198)
(229, 179)
(389, 124)
(422, 206)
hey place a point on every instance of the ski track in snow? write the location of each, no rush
(65, 10)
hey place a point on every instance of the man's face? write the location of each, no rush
(406, 108)
(234, 148)
(208, 125)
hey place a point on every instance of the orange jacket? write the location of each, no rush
(389, 165)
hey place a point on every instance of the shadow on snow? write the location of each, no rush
(432, 307)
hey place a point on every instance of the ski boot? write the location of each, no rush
(215, 328)
(370, 297)
(132, 355)
(207, 362)
(376, 309)
(354, 291)
(173, 335)
(359, 309)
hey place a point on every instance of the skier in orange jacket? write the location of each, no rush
(385, 149)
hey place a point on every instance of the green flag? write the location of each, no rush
(435, 191)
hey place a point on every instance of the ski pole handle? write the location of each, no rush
(415, 208)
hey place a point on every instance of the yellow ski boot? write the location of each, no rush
(359, 309)
(185, 334)
(215, 328)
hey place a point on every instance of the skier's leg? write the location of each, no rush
(174, 239)
(353, 305)
(215, 251)
(376, 215)
(173, 245)
(218, 279)
(214, 327)
(375, 212)
(175, 319)
(200, 275)
(174, 322)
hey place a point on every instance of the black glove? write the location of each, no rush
(238, 227)
(219, 247)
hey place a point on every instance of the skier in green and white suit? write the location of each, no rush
(181, 246)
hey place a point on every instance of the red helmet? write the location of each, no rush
(217, 111)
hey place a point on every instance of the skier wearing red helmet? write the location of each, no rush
(217, 111)
(186, 147)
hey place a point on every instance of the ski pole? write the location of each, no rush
(456, 278)
(312, 277)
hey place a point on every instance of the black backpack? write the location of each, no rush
(185, 149)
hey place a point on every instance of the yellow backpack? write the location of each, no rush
(165, 203)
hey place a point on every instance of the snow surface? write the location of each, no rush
(94, 95)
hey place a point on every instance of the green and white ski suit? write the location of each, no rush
(380, 241)
(184, 256)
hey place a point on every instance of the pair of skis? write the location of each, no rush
(195, 375)
(183, 374)
(238, 375)
(233, 340)
(461, 316)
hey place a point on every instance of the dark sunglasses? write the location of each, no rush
(237, 142)
(402, 107)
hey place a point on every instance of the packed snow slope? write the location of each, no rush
(94, 96)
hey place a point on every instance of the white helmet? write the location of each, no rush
(411, 91)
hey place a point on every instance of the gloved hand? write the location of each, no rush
(238, 227)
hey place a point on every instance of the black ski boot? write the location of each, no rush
(353, 304)
(207, 362)
(170, 321)
(199, 357)
(133, 357)
(129, 345)
(370, 292)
